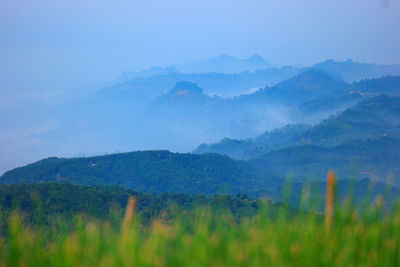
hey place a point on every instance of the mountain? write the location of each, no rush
(350, 71)
(151, 83)
(226, 64)
(122, 118)
(372, 118)
(250, 148)
(213, 73)
(153, 71)
(183, 93)
(188, 109)
(309, 85)
(155, 81)
(375, 159)
(248, 115)
(147, 171)
(385, 85)
(353, 94)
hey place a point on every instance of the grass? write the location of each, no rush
(348, 237)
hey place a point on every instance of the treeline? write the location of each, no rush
(61, 205)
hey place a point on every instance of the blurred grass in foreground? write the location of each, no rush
(370, 239)
(348, 236)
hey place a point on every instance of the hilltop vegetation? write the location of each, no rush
(146, 171)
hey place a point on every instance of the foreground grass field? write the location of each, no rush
(370, 239)
(342, 236)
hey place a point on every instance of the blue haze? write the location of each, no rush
(57, 52)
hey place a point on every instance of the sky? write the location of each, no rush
(50, 46)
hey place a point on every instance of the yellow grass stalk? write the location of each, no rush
(330, 191)
(129, 215)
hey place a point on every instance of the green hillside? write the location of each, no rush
(146, 171)
(209, 174)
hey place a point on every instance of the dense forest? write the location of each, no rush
(61, 206)
(144, 171)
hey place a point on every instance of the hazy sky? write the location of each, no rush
(48, 45)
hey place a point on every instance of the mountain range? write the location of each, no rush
(350, 71)
(164, 108)
(226, 64)
(370, 119)
(361, 143)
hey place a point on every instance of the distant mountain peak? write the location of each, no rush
(226, 63)
(152, 71)
(257, 58)
(224, 56)
(351, 71)
(306, 86)
(312, 77)
(314, 73)
(187, 87)
(183, 92)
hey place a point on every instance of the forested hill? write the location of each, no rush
(351, 71)
(377, 160)
(309, 85)
(145, 171)
(209, 174)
